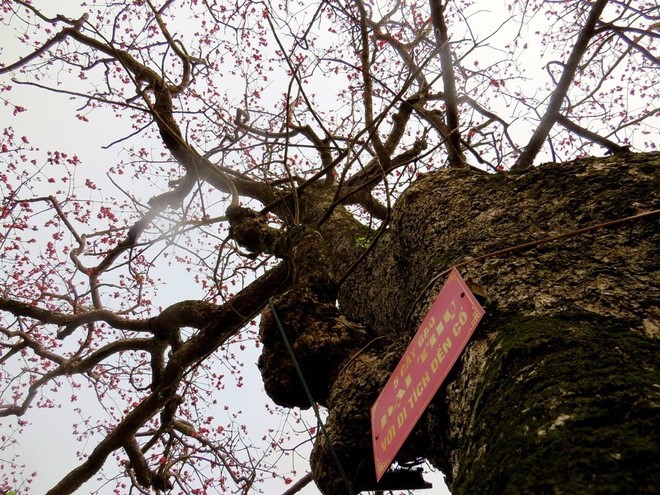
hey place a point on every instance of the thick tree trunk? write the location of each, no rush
(558, 390)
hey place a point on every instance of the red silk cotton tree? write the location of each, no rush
(319, 164)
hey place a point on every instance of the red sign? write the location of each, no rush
(434, 350)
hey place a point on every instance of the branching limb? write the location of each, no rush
(143, 475)
(177, 47)
(158, 204)
(66, 320)
(373, 173)
(634, 44)
(381, 152)
(76, 25)
(224, 322)
(66, 366)
(526, 159)
(193, 314)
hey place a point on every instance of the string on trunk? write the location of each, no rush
(347, 482)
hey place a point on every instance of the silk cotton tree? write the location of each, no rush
(322, 165)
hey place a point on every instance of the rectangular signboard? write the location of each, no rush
(432, 353)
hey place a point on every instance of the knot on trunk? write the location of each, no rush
(311, 263)
(321, 339)
(251, 231)
(320, 336)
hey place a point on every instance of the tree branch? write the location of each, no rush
(224, 322)
(526, 159)
(18, 308)
(569, 125)
(453, 141)
(299, 485)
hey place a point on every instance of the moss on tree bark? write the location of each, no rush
(558, 390)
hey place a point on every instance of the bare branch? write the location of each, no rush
(453, 142)
(225, 322)
(611, 146)
(299, 485)
(526, 159)
(59, 37)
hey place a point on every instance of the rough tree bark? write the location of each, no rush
(557, 391)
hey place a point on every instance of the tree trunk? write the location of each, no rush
(558, 390)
